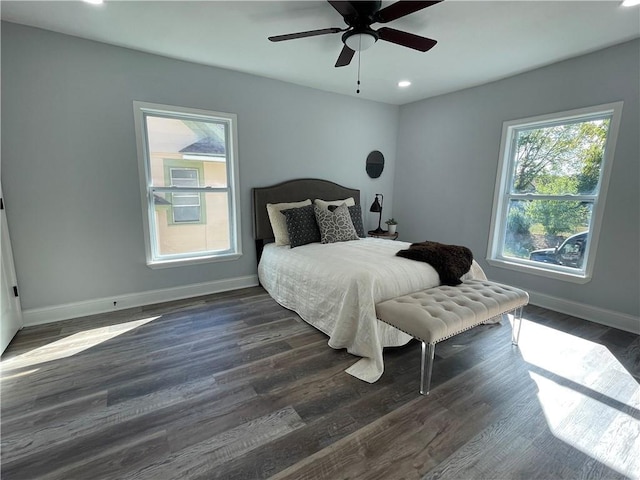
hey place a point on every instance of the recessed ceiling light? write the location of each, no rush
(630, 3)
(406, 83)
(95, 2)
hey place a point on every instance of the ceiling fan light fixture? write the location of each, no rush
(360, 41)
(404, 83)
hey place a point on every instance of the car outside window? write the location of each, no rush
(572, 253)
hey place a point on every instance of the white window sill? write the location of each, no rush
(558, 274)
(181, 262)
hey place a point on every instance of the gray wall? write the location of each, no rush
(70, 174)
(447, 159)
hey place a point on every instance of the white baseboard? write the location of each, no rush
(610, 318)
(39, 316)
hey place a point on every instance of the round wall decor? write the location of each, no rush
(375, 164)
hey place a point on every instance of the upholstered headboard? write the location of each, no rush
(292, 191)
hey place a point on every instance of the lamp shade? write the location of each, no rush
(375, 206)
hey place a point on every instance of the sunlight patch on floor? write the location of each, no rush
(589, 399)
(22, 373)
(71, 345)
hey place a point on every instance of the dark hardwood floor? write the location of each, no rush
(233, 386)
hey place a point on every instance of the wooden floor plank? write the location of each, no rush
(206, 456)
(234, 386)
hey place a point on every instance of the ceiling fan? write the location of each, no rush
(359, 35)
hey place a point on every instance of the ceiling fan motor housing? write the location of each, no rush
(363, 13)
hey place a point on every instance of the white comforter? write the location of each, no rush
(336, 286)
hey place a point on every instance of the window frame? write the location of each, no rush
(147, 189)
(502, 195)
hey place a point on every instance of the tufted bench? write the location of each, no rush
(439, 313)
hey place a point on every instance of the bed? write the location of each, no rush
(335, 287)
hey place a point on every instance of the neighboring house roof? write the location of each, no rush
(206, 145)
(158, 200)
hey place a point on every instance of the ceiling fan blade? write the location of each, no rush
(310, 33)
(344, 8)
(406, 39)
(400, 9)
(345, 57)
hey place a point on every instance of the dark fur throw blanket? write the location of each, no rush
(450, 261)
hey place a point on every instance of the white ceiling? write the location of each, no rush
(478, 41)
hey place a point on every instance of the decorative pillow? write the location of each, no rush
(325, 205)
(302, 227)
(356, 218)
(278, 220)
(335, 226)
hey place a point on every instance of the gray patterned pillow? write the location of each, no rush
(356, 217)
(301, 226)
(335, 226)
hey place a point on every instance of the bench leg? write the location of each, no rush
(517, 324)
(426, 367)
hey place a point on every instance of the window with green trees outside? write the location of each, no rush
(550, 191)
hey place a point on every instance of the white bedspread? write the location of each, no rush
(336, 286)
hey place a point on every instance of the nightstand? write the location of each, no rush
(386, 235)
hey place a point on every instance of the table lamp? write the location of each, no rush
(376, 207)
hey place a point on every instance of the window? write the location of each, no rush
(185, 206)
(188, 175)
(550, 192)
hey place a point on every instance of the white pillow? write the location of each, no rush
(324, 205)
(279, 221)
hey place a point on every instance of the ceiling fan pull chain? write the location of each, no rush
(358, 90)
(359, 50)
